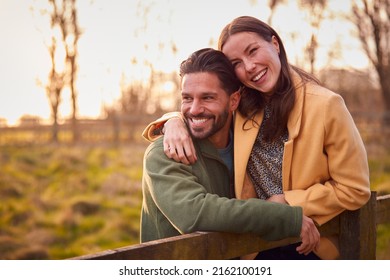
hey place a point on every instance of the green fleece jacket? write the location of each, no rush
(179, 199)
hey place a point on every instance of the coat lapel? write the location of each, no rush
(293, 126)
(245, 134)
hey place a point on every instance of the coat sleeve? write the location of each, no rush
(348, 186)
(189, 207)
(153, 129)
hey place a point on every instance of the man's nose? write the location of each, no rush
(196, 108)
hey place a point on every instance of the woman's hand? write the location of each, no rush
(279, 198)
(178, 144)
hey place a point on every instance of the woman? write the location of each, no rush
(294, 141)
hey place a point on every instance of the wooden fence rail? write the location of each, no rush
(357, 237)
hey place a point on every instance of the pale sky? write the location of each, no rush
(114, 35)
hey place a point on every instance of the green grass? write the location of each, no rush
(380, 182)
(383, 242)
(65, 201)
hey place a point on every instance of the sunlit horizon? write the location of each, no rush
(114, 38)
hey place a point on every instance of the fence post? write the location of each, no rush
(358, 232)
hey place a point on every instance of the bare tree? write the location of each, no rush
(134, 100)
(316, 15)
(372, 19)
(272, 5)
(65, 17)
(54, 89)
(71, 57)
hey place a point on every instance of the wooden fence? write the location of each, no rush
(90, 131)
(356, 229)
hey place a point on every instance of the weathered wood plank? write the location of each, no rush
(197, 245)
(200, 245)
(188, 246)
(357, 237)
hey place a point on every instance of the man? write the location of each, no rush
(180, 198)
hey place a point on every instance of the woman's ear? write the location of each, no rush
(275, 42)
(235, 100)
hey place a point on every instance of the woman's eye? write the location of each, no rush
(252, 51)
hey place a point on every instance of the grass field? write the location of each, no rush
(63, 201)
(59, 202)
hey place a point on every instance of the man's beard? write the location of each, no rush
(203, 133)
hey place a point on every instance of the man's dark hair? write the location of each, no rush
(212, 61)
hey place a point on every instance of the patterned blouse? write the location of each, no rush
(265, 162)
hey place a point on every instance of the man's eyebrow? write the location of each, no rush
(202, 93)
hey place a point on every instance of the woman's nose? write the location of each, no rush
(249, 65)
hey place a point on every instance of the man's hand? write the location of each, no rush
(178, 143)
(310, 236)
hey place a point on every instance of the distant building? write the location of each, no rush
(28, 120)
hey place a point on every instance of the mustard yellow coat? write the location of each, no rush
(325, 167)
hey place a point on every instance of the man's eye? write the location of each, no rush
(235, 64)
